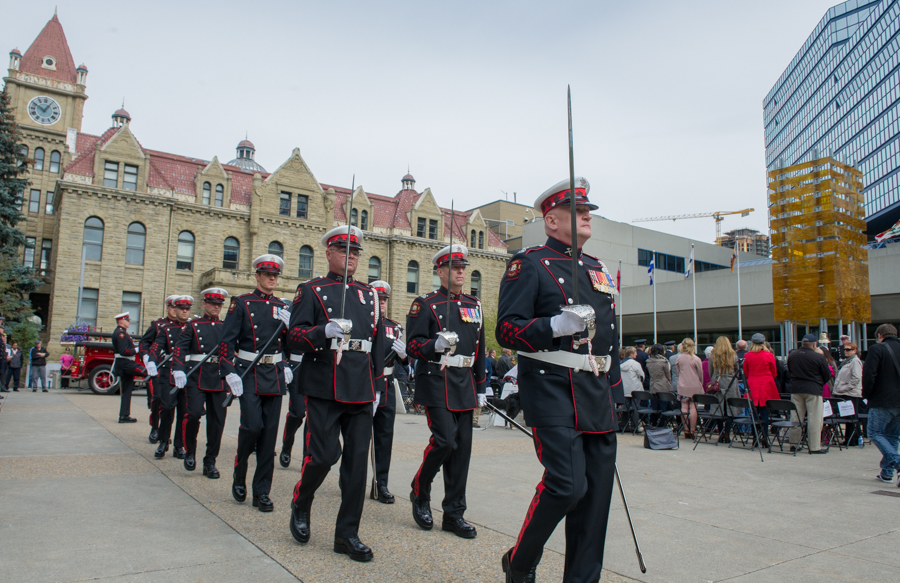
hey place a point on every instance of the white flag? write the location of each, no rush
(690, 266)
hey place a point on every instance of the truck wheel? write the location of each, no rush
(101, 379)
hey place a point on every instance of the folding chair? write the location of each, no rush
(833, 426)
(742, 425)
(783, 427)
(707, 419)
(672, 414)
(643, 411)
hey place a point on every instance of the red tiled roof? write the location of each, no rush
(50, 42)
(83, 162)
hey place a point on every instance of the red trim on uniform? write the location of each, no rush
(522, 339)
(182, 304)
(218, 297)
(428, 449)
(308, 457)
(446, 258)
(268, 265)
(562, 197)
(539, 489)
(381, 290)
(342, 238)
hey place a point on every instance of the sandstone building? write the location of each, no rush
(136, 225)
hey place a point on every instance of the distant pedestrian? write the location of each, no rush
(14, 367)
(3, 351)
(504, 364)
(66, 360)
(37, 356)
(690, 383)
(809, 373)
(881, 387)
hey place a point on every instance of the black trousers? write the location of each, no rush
(450, 448)
(12, 373)
(209, 404)
(171, 407)
(259, 431)
(577, 485)
(153, 401)
(293, 421)
(326, 423)
(383, 433)
(126, 370)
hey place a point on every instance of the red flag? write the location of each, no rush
(619, 280)
(733, 256)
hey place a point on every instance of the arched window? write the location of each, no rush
(435, 279)
(354, 217)
(364, 221)
(134, 249)
(374, 269)
(306, 262)
(412, 278)
(476, 284)
(38, 159)
(185, 259)
(23, 153)
(472, 237)
(55, 159)
(207, 189)
(276, 248)
(481, 239)
(220, 195)
(93, 238)
(231, 253)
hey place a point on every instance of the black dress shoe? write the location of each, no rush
(353, 548)
(190, 463)
(299, 523)
(517, 576)
(384, 496)
(459, 527)
(161, 451)
(210, 471)
(284, 459)
(154, 436)
(421, 511)
(818, 451)
(239, 490)
(263, 503)
(180, 453)
(127, 420)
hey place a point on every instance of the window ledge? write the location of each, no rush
(134, 266)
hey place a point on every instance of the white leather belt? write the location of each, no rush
(353, 345)
(297, 357)
(388, 370)
(266, 358)
(578, 362)
(212, 359)
(459, 361)
(124, 357)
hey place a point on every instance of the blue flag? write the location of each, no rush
(687, 273)
(650, 269)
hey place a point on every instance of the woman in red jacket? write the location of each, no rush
(761, 372)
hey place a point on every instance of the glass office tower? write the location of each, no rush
(840, 97)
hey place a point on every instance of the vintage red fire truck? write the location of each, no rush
(93, 364)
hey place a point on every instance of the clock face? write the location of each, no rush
(44, 110)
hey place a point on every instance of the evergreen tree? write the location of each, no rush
(16, 280)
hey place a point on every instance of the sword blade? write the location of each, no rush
(347, 247)
(450, 265)
(572, 204)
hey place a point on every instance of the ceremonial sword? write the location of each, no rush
(346, 325)
(449, 335)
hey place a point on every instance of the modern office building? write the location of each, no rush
(747, 240)
(840, 97)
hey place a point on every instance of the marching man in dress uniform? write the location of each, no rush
(173, 404)
(124, 366)
(252, 320)
(383, 421)
(296, 408)
(147, 340)
(341, 376)
(450, 382)
(566, 385)
(204, 388)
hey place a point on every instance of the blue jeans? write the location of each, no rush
(884, 431)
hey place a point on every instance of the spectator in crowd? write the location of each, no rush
(841, 345)
(660, 377)
(832, 369)
(641, 357)
(705, 358)
(761, 371)
(504, 363)
(670, 349)
(848, 385)
(66, 360)
(881, 387)
(37, 356)
(632, 380)
(741, 348)
(809, 373)
(723, 368)
(3, 352)
(690, 383)
(673, 369)
(14, 367)
(492, 356)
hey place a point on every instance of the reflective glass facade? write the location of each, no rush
(840, 97)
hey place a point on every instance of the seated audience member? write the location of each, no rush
(848, 385)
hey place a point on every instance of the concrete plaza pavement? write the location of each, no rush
(82, 498)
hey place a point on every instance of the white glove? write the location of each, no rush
(441, 344)
(146, 359)
(285, 316)
(482, 400)
(234, 382)
(151, 368)
(400, 348)
(180, 378)
(333, 330)
(376, 401)
(566, 324)
(288, 375)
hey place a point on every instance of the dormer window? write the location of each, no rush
(49, 63)
(130, 177)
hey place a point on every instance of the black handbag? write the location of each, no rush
(660, 438)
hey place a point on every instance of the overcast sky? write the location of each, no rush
(471, 95)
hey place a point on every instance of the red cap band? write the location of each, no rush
(217, 297)
(381, 290)
(268, 265)
(562, 197)
(342, 238)
(446, 259)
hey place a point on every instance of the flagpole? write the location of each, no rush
(694, 286)
(621, 313)
(653, 285)
(737, 261)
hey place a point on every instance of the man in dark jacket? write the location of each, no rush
(642, 357)
(809, 373)
(881, 387)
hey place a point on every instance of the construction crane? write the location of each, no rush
(718, 216)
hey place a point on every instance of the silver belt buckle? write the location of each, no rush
(467, 361)
(267, 359)
(602, 363)
(213, 359)
(355, 345)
